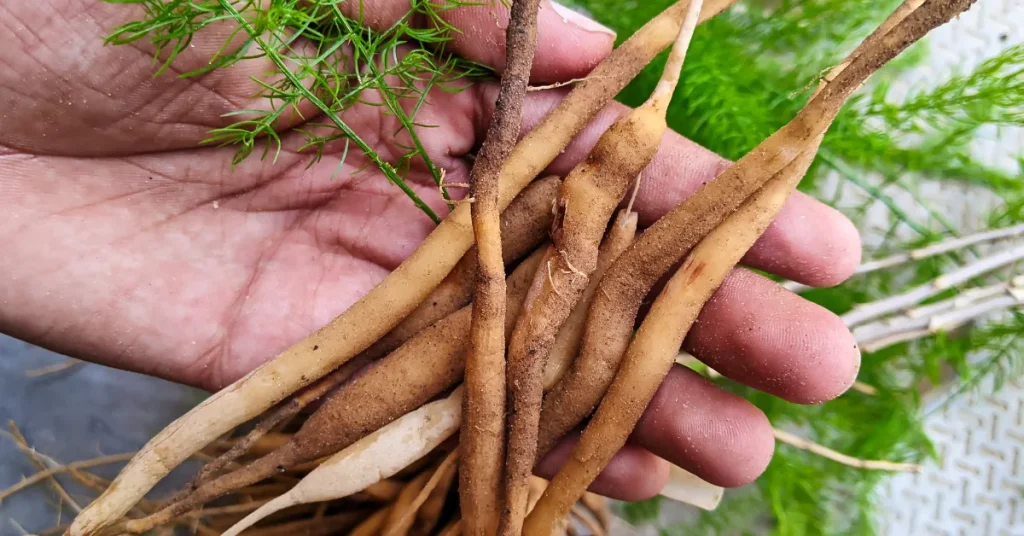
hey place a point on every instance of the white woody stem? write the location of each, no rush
(933, 250)
(900, 302)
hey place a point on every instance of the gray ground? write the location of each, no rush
(80, 413)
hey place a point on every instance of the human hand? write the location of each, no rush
(127, 245)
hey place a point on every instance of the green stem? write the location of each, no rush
(845, 172)
(889, 202)
(397, 110)
(386, 168)
(977, 375)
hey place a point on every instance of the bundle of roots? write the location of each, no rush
(418, 500)
(514, 342)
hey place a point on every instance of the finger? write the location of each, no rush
(764, 336)
(711, 433)
(569, 45)
(634, 474)
(808, 229)
(809, 241)
(692, 423)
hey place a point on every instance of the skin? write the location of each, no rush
(126, 245)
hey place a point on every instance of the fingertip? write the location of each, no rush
(760, 334)
(827, 364)
(569, 44)
(750, 459)
(835, 375)
(714, 434)
(579, 20)
(848, 257)
(633, 474)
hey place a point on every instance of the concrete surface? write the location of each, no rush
(79, 413)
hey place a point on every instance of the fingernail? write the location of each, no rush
(856, 370)
(580, 21)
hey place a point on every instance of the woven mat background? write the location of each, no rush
(978, 487)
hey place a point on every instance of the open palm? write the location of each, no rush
(125, 244)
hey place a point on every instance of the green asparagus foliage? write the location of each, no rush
(325, 58)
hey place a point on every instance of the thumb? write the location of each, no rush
(569, 44)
